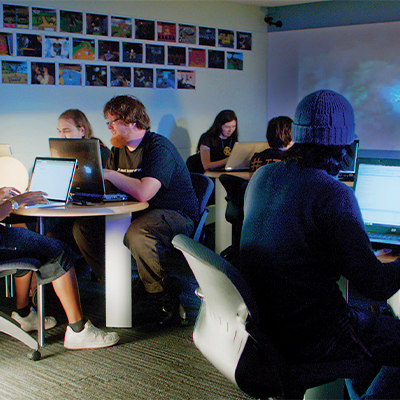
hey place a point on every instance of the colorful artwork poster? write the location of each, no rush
(216, 59)
(56, 47)
(143, 77)
(6, 44)
(15, 72)
(197, 58)
(108, 50)
(29, 45)
(44, 19)
(83, 49)
(186, 79)
(15, 16)
(187, 34)
(155, 54)
(132, 52)
(207, 36)
(71, 21)
(166, 32)
(70, 74)
(121, 27)
(145, 29)
(97, 24)
(243, 40)
(176, 55)
(165, 78)
(43, 73)
(96, 75)
(226, 38)
(234, 60)
(121, 76)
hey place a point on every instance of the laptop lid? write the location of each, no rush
(349, 163)
(241, 155)
(89, 172)
(53, 176)
(377, 188)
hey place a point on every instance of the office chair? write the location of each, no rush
(7, 325)
(226, 334)
(204, 187)
(235, 188)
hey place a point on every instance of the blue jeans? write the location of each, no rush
(55, 256)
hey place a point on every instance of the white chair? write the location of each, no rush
(7, 325)
(13, 173)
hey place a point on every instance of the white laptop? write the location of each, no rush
(88, 182)
(53, 176)
(241, 154)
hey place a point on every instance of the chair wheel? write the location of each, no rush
(34, 355)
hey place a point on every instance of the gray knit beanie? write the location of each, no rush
(324, 117)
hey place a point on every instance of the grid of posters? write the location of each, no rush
(49, 46)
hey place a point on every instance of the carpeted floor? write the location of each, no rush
(148, 362)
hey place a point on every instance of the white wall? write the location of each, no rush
(28, 114)
(361, 62)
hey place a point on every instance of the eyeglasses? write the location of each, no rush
(108, 123)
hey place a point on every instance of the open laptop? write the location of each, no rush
(348, 167)
(53, 176)
(88, 183)
(377, 188)
(240, 157)
(5, 150)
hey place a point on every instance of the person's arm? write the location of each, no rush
(141, 189)
(205, 155)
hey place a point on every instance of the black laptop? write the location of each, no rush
(88, 184)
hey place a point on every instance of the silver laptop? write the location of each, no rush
(53, 176)
(377, 188)
(88, 183)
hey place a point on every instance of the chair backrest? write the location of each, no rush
(204, 187)
(194, 164)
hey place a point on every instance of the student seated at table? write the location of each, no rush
(279, 138)
(57, 267)
(216, 144)
(302, 230)
(148, 167)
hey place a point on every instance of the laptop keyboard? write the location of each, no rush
(383, 238)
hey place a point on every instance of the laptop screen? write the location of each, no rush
(53, 176)
(377, 188)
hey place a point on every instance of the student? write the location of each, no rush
(57, 267)
(216, 144)
(148, 167)
(302, 230)
(279, 138)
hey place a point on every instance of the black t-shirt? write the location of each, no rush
(219, 148)
(157, 157)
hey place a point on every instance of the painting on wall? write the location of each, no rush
(144, 29)
(187, 34)
(6, 44)
(207, 36)
(132, 52)
(166, 32)
(15, 72)
(234, 60)
(96, 75)
(176, 55)
(165, 78)
(43, 73)
(226, 38)
(186, 79)
(44, 19)
(243, 40)
(70, 74)
(97, 24)
(120, 76)
(143, 77)
(15, 16)
(83, 49)
(29, 45)
(197, 58)
(121, 27)
(155, 54)
(108, 50)
(71, 21)
(56, 47)
(216, 59)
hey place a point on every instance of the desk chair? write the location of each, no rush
(7, 326)
(226, 333)
(235, 188)
(204, 187)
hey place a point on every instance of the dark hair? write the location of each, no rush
(79, 119)
(129, 109)
(279, 131)
(221, 119)
(326, 157)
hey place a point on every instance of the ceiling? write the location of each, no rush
(274, 3)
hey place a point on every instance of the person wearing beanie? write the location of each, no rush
(302, 230)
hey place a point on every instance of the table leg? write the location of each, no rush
(40, 299)
(118, 273)
(223, 229)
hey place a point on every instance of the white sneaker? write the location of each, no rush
(90, 338)
(31, 321)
